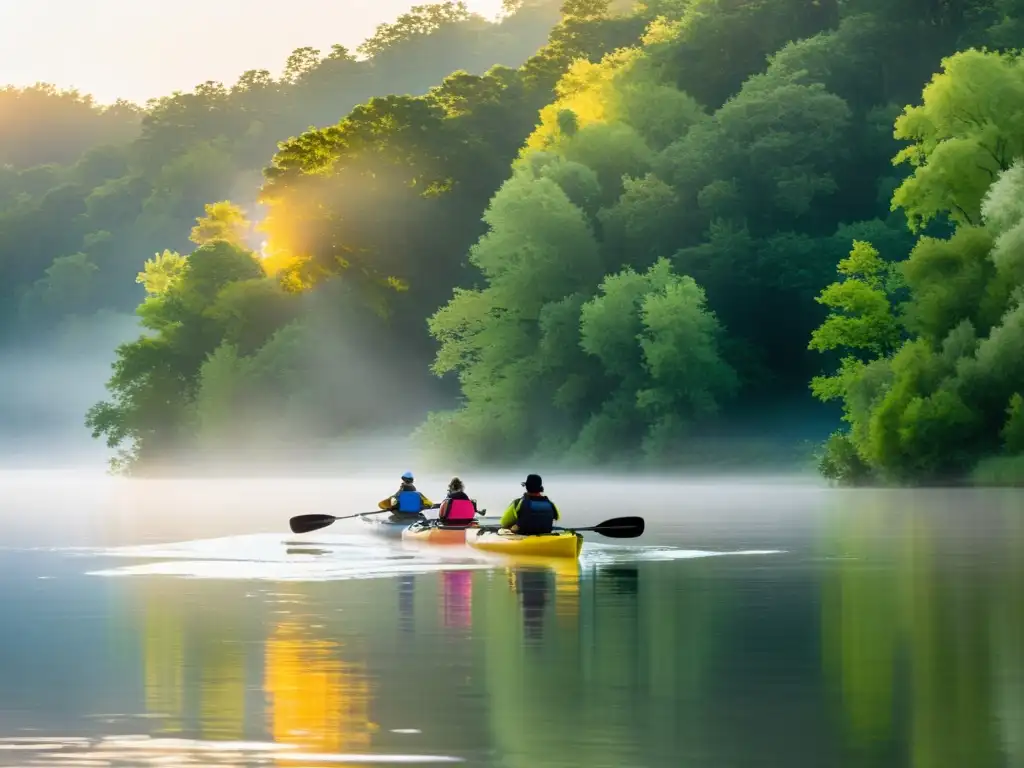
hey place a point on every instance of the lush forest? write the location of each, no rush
(610, 232)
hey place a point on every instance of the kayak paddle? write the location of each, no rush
(314, 522)
(310, 523)
(616, 528)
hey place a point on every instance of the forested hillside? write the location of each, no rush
(621, 244)
(88, 192)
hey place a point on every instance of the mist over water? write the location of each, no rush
(48, 383)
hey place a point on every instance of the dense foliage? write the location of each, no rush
(754, 187)
(933, 370)
(653, 206)
(107, 187)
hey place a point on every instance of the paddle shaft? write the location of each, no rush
(314, 522)
(617, 528)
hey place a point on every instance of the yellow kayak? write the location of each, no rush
(560, 544)
(432, 534)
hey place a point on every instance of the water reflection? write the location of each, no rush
(534, 581)
(315, 700)
(925, 658)
(890, 636)
(457, 598)
(195, 662)
(532, 587)
(407, 603)
(163, 657)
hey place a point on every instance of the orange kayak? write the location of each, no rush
(432, 533)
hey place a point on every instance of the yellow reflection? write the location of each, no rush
(222, 688)
(173, 642)
(567, 583)
(567, 591)
(315, 700)
(163, 659)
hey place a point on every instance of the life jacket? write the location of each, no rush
(459, 512)
(408, 502)
(536, 515)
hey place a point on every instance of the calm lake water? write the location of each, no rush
(756, 623)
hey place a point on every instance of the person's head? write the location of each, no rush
(533, 484)
(407, 478)
(456, 486)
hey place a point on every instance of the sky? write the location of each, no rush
(139, 49)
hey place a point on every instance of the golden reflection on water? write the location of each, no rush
(567, 592)
(315, 700)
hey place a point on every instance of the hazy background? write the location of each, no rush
(119, 49)
(141, 49)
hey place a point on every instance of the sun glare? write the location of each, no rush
(489, 9)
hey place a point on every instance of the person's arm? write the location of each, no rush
(427, 503)
(557, 516)
(511, 514)
(387, 503)
(442, 511)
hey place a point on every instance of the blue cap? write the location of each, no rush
(407, 476)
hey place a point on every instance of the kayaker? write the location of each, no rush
(457, 508)
(533, 513)
(406, 503)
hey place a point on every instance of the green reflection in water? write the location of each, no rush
(921, 623)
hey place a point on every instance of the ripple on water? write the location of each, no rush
(269, 557)
(339, 557)
(143, 750)
(597, 554)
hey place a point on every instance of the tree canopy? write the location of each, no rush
(625, 244)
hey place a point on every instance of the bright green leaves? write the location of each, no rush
(861, 315)
(965, 132)
(935, 406)
(223, 221)
(161, 272)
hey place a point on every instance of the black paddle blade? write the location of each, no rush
(307, 523)
(620, 528)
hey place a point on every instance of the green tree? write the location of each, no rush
(963, 135)
(224, 221)
(155, 377)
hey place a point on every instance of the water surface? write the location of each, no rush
(758, 623)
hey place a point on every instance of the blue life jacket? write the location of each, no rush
(409, 502)
(536, 515)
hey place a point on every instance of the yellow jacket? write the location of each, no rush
(511, 514)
